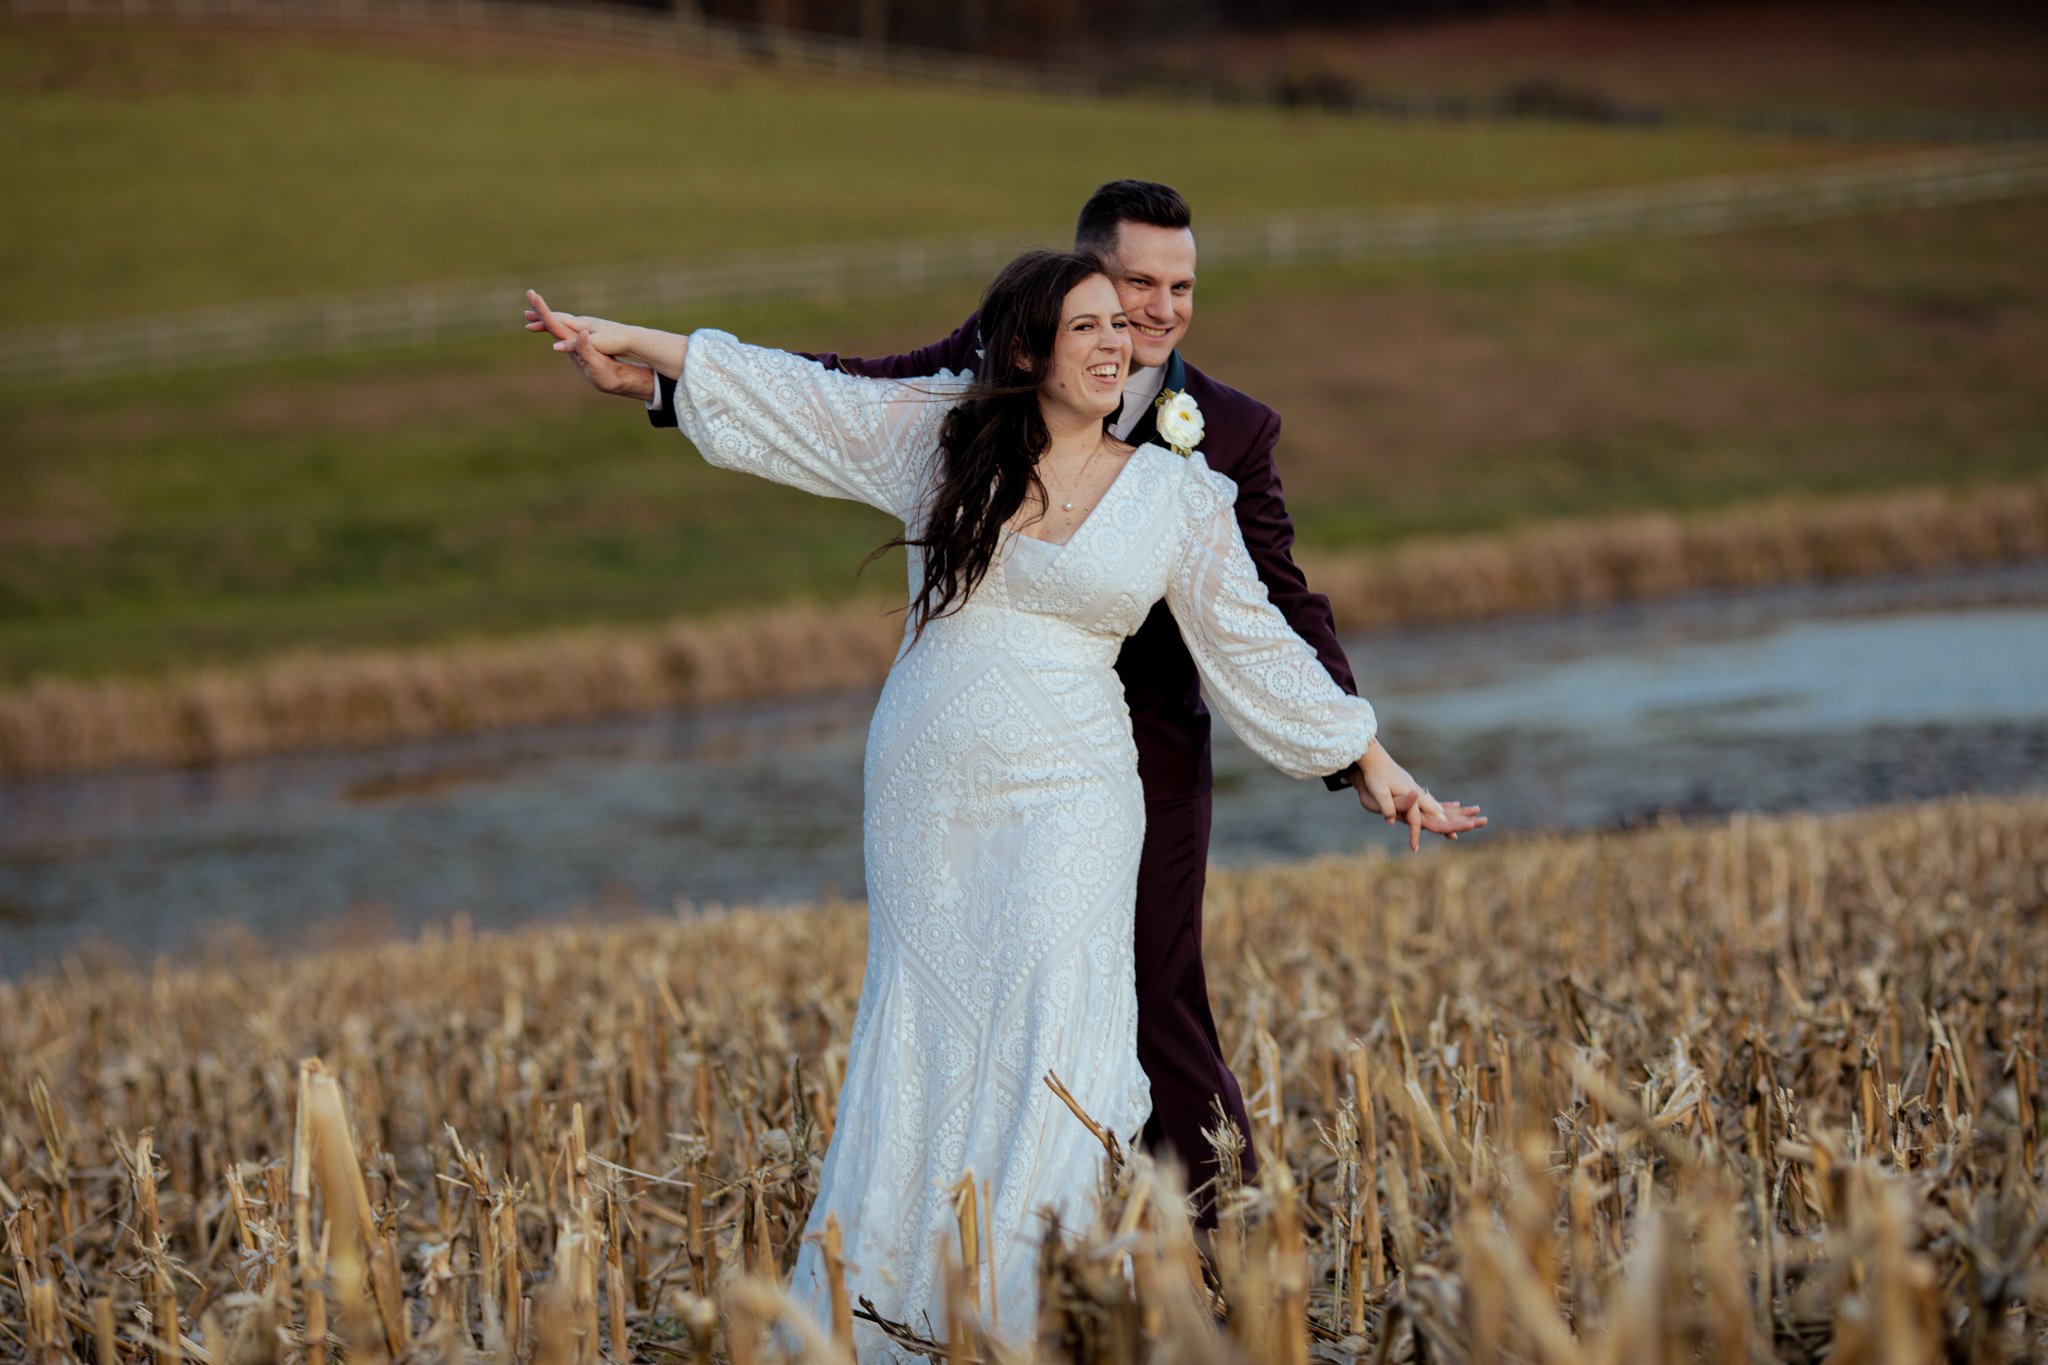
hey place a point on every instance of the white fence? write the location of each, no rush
(426, 314)
(1681, 208)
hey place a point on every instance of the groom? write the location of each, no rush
(1143, 232)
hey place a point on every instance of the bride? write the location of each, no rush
(1003, 814)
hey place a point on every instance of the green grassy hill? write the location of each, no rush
(480, 489)
(158, 168)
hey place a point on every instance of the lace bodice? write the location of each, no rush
(1164, 528)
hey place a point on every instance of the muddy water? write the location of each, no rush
(1801, 699)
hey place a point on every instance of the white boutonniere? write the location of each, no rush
(1180, 422)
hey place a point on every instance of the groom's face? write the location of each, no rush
(1153, 269)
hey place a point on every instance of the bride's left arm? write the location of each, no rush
(1265, 679)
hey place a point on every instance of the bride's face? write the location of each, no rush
(1091, 353)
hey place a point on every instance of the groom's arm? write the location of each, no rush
(958, 352)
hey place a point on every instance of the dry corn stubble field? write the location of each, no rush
(1762, 1091)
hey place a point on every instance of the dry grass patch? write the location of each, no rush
(1765, 1091)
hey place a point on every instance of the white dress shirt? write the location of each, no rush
(1139, 392)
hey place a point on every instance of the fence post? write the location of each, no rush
(910, 265)
(419, 309)
(1280, 241)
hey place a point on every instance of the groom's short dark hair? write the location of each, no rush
(1128, 201)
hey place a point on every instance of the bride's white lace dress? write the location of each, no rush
(1004, 818)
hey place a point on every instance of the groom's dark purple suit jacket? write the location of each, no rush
(1168, 720)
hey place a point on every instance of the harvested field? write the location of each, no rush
(362, 698)
(1765, 1091)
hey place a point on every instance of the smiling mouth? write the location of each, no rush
(1105, 371)
(1151, 331)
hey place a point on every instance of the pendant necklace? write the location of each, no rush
(1068, 505)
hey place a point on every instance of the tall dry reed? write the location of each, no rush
(1764, 1091)
(58, 725)
(1579, 564)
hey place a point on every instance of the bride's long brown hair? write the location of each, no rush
(989, 445)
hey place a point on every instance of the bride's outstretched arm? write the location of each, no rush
(1267, 681)
(777, 415)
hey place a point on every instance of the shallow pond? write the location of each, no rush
(1795, 699)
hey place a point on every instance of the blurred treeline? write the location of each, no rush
(1070, 30)
(1073, 32)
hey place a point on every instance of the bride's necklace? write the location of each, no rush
(1082, 473)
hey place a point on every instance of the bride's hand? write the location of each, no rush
(1385, 788)
(600, 349)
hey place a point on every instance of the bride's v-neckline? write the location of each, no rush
(1108, 489)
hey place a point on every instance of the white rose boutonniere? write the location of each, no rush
(1180, 422)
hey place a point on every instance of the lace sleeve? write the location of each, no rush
(789, 419)
(1263, 677)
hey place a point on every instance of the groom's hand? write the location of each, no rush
(602, 372)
